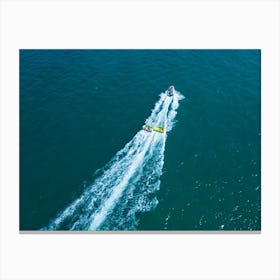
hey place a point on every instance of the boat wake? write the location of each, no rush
(128, 183)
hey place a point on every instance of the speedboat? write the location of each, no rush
(170, 91)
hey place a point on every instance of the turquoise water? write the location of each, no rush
(86, 164)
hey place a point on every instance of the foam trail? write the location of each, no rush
(128, 183)
(109, 203)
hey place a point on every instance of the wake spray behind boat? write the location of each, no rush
(161, 129)
(128, 183)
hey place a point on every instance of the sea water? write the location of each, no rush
(85, 163)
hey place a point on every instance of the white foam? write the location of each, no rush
(127, 181)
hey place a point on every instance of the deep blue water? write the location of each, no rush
(78, 108)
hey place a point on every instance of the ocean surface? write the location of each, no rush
(86, 163)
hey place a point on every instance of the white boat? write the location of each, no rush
(170, 91)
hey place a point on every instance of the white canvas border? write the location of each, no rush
(139, 24)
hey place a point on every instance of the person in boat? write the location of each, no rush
(147, 128)
(170, 90)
